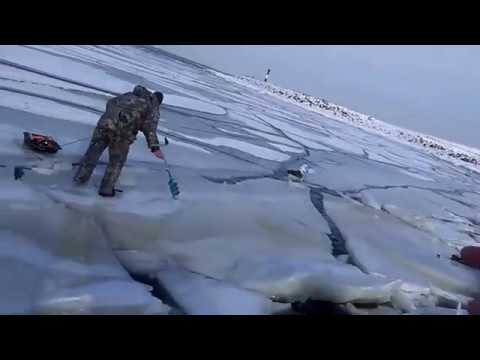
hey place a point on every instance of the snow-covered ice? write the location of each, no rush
(52, 261)
(246, 147)
(199, 295)
(182, 101)
(374, 223)
(286, 148)
(394, 249)
(46, 107)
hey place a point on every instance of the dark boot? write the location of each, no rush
(118, 152)
(106, 193)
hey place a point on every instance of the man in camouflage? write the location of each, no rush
(117, 129)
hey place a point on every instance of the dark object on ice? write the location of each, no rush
(112, 194)
(296, 173)
(107, 194)
(474, 307)
(173, 185)
(267, 75)
(470, 256)
(41, 143)
(18, 171)
(317, 307)
(456, 258)
(172, 182)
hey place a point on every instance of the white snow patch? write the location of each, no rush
(286, 148)
(290, 280)
(29, 79)
(54, 261)
(230, 131)
(390, 247)
(190, 146)
(102, 297)
(92, 100)
(189, 103)
(415, 175)
(45, 107)
(369, 200)
(56, 65)
(252, 149)
(257, 124)
(275, 138)
(199, 295)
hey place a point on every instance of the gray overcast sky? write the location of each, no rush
(432, 89)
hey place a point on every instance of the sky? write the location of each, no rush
(433, 89)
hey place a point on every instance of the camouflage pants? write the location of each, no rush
(117, 152)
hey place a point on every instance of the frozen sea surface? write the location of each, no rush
(375, 221)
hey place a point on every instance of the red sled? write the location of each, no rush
(40, 143)
(474, 307)
(470, 256)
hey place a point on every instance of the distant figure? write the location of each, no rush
(267, 75)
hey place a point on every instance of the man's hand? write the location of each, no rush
(158, 153)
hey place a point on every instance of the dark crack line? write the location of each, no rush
(158, 291)
(209, 147)
(50, 98)
(57, 77)
(375, 187)
(82, 92)
(323, 189)
(335, 236)
(191, 113)
(439, 192)
(278, 174)
(471, 220)
(218, 132)
(471, 233)
(386, 187)
(308, 149)
(470, 206)
(235, 180)
(219, 122)
(280, 132)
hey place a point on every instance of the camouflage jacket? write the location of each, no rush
(128, 114)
